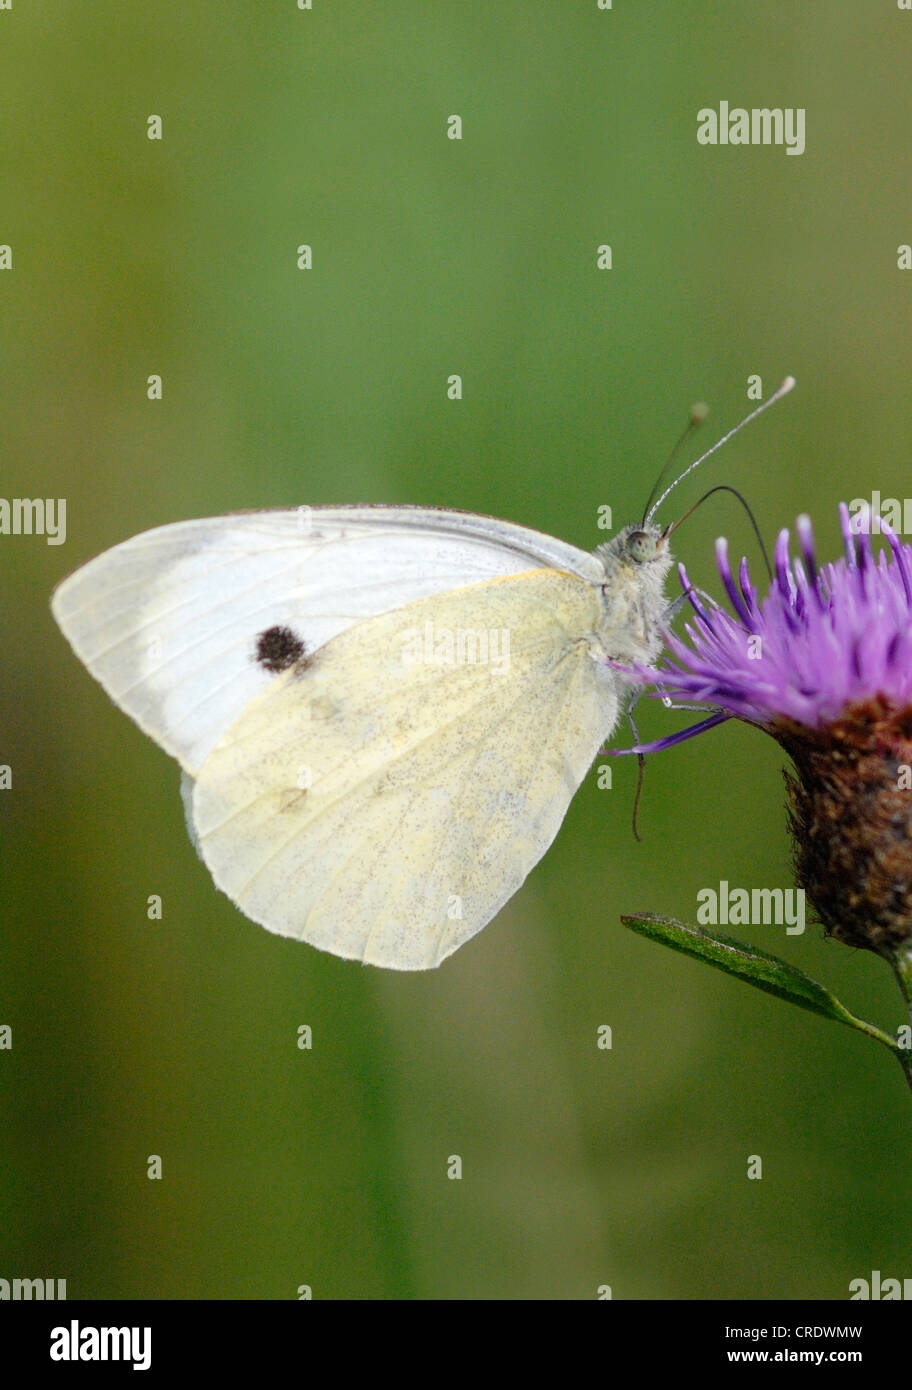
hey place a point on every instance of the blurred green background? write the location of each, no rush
(328, 1167)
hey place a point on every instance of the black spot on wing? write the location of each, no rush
(278, 648)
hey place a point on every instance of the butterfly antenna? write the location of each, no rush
(698, 414)
(781, 391)
(725, 487)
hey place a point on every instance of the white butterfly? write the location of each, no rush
(381, 713)
(356, 773)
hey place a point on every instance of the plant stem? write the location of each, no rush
(902, 965)
(905, 1061)
(901, 961)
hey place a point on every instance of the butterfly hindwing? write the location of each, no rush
(382, 802)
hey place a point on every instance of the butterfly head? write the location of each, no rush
(640, 552)
(643, 546)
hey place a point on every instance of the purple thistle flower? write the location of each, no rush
(823, 663)
(824, 637)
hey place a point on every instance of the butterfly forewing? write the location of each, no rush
(185, 625)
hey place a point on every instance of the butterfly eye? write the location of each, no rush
(641, 546)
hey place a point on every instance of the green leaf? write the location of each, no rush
(752, 965)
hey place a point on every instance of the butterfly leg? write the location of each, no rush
(641, 761)
(678, 604)
(699, 709)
